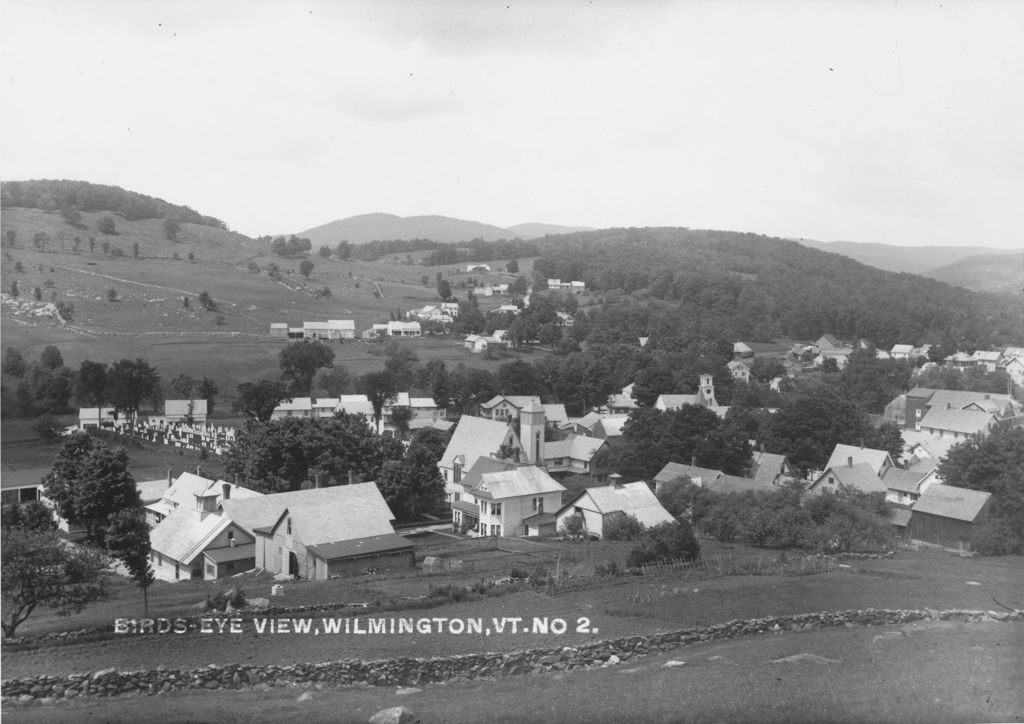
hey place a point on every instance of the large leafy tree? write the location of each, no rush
(208, 391)
(651, 438)
(91, 384)
(413, 483)
(258, 399)
(810, 423)
(130, 383)
(994, 464)
(381, 389)
(90, 482)
(39, 569)
(300, 362)
(293, 453)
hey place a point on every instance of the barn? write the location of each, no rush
(948, 516)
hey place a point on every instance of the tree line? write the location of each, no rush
(54, 195)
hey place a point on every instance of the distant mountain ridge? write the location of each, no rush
(444, 229)
(910, 259)
(998, 273)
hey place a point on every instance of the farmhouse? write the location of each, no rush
(911, 409)
(597, 505)
(332, 330)
(279, 329)
(95, 416)
(857, 476)
(191, 411)
(879, 460)
(697, 475)
(510, 500)
(474, 438)
(22, 486)
(949, 516)
(573, 455)
(739, 371)
(190, 539)
(322, 532)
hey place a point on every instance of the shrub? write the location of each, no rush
(111, 295)
(207, 301)
(667, 541)
(622, 526)
(106, 225)
(574, 527)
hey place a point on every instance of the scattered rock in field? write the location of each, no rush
(714, 658)
(973, 583)
(670, 664)
(406, 690)
(630, 671)
(612, 660)
(305, 696)
(888, 635)
(259, 603)
(797, 658)
(394, 715)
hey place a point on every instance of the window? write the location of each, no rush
(831, 480)
(177, 572)
(288, 523)
(457, 473)
(495, 508)
(538, 505)
(456, 496)
(211, 570)
(231, 535)
(917, 413)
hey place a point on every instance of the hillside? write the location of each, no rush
(373, 227)
(537, 230)
(73, 197)
(746, 286)
(910, 259)
(994, 273)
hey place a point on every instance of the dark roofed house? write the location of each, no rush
(697, 475)
(948, 516)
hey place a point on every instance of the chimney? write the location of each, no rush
(849, 462)
(198, 469)
(949, 406)
(316, 480)
(349, 477)
(169, 482)
(225, 491)
(693, 462)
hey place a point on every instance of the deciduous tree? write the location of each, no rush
(130, 383)
(39, 569)
(300, 362)
(258, 399)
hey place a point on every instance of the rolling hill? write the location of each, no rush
(996, 273)
(444, 229)
(373, 227)
(910, 259)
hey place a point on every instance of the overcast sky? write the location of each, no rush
(900, 123)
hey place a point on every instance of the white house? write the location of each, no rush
(509, 501)
(597, 505)
(331, 330)
(473, 438)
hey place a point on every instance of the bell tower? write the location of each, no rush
(531, 432)
(707, 391)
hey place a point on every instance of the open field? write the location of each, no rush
(230, 344)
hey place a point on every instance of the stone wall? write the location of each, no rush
(417, 671)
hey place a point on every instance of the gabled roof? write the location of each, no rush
(671, 471)
(905, 349)
(632, 498)
(963, 421)
(295, 404)
(841, 455)
(952, 502)
(515, 483)
(519, 401)
(150, 491)
(182, 536)
(904, 481)
(484, 465)
(588, 421)
(670, 402)
(555, 413)
(474, 438)
(576, 447)
(768, 466)
(900, 517)
(180, 407)
(860, 476)
(612, 425)
(337, 513)
(25, 478)
(622, 402)
(355, 405)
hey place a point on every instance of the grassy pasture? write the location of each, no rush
(229, 345)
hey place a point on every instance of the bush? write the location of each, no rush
(106, 226)
(668, 541)
(622, 526)
(574, 527)
(47, 427)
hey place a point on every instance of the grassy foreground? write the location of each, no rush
(927, 672)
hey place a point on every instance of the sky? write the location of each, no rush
(897, 123)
